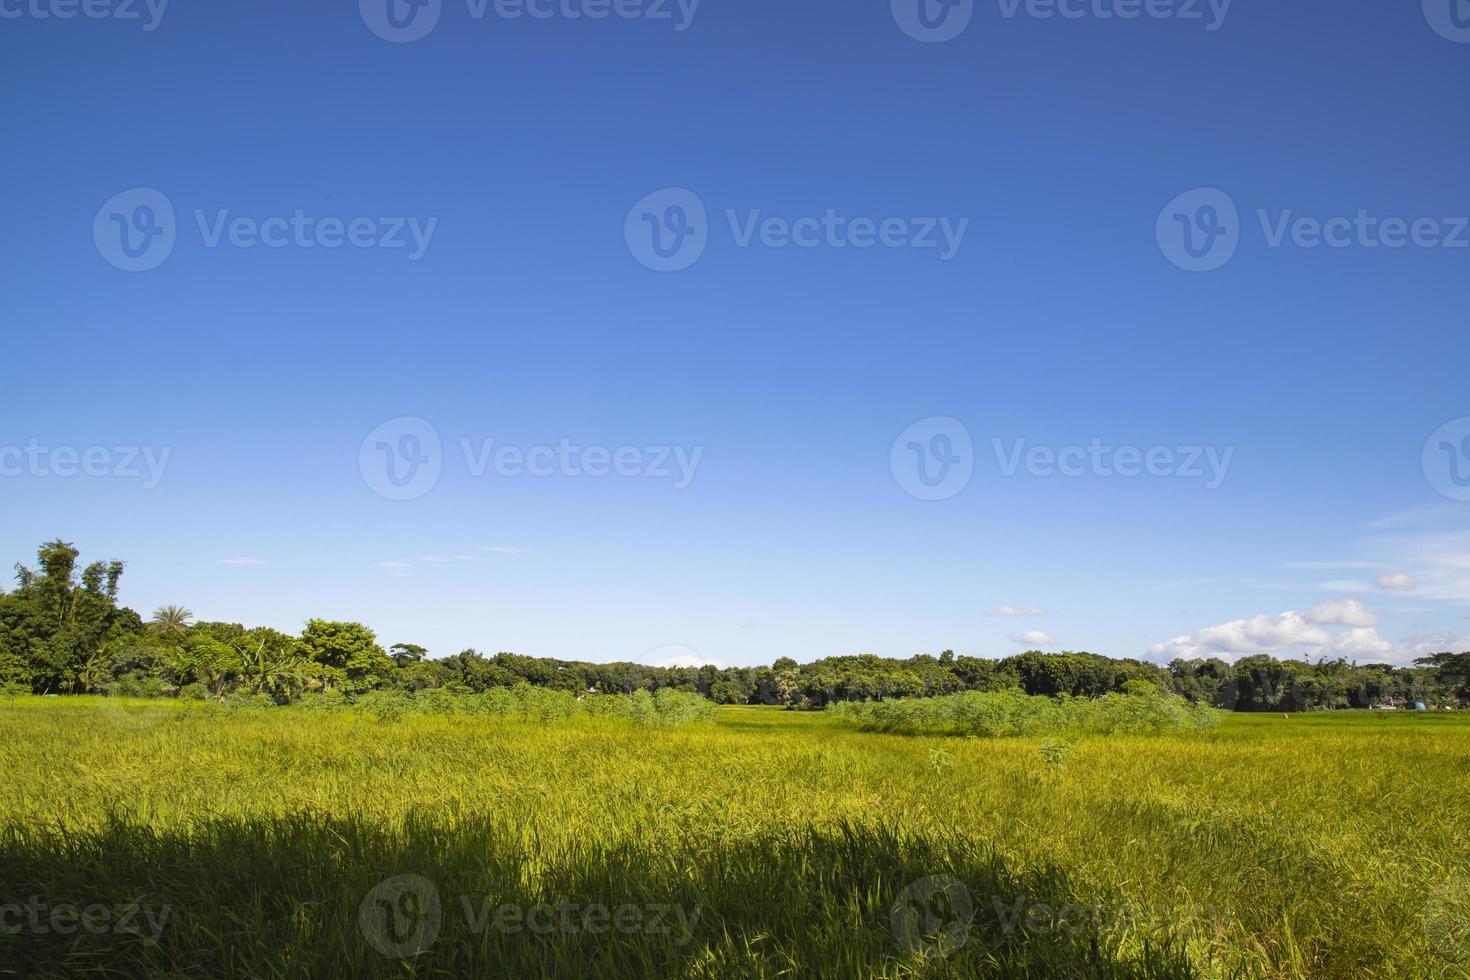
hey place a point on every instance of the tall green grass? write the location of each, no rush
(664, 708)
(1009, 713)
(280, 841)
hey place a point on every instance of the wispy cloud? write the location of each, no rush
(1014, 611)
(241, 561)
(1033, 638)
(1397, 582)
(502, 549)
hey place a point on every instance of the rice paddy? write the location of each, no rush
(175, 839)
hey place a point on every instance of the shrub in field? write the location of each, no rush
(660, 709)
(1003, 713)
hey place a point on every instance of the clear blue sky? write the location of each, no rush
(529, 320)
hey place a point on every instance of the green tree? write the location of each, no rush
(407, 653)
(344, 655)
(170, 619)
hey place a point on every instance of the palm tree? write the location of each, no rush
(170, 619)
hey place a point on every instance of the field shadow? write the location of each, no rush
(315, 896)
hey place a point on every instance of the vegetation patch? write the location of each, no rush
(1140, 711)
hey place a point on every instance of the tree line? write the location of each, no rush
(62, 631)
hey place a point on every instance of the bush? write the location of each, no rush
(663, 709)
(1012, 713)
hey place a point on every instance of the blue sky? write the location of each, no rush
(527, 153)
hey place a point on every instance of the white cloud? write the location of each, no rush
(676, 655)
(1342, 612)
(1260, 634)
(1033, 638)
(1396, 582)
(1362, 643)
(1019, 611)
(687, 662)
(241, 561)
(1424, 646)
(1292, 634)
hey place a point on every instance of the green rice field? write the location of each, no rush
(189, 840)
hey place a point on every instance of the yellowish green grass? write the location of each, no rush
(1319, 846)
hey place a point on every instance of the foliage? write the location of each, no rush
(1143, 711)
(62, 631)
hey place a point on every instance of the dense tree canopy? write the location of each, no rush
(62, 631)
